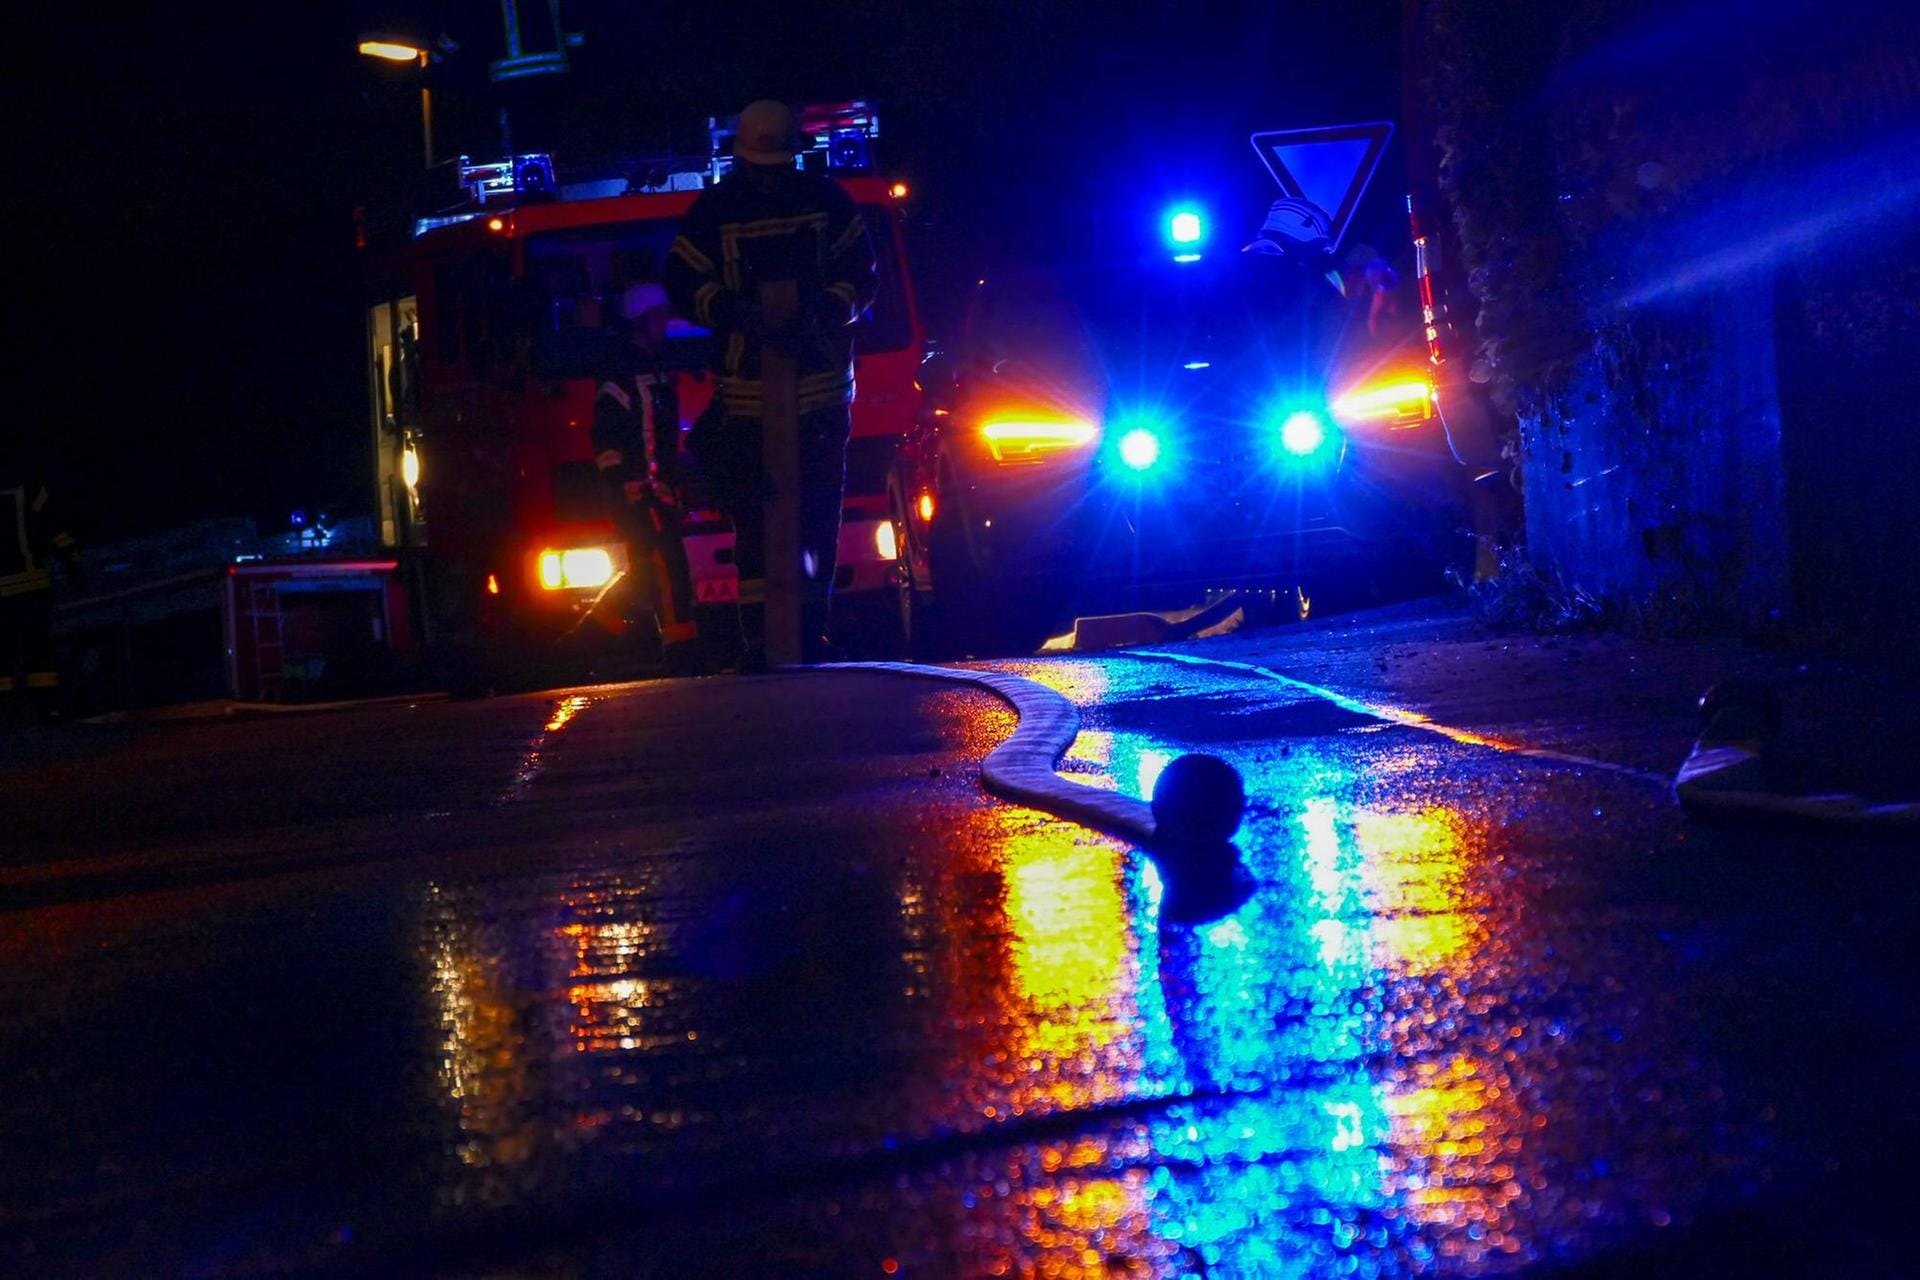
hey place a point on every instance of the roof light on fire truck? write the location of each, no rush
(1028, 441)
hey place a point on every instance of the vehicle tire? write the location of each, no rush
(923, 630)
(870, 625)
(1019, 619)
(975, 615)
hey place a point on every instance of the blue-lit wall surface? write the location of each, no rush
(1695, 269)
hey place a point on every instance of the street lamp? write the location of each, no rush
(390, 48)
(393, 51)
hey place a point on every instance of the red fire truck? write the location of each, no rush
(486, 339)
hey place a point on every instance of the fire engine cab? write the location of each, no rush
(486, 340)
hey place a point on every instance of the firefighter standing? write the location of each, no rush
(31, 536)
(768, 222)
(636, 441)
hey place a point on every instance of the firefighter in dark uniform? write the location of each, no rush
(636, 441)
(767, 221)
(31, 537)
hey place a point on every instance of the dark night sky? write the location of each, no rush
(195, 343)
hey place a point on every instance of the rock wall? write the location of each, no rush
(1691, 233)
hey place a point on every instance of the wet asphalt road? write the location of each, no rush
(746, 977)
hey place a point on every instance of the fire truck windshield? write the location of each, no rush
(576, 277)
(575, 281)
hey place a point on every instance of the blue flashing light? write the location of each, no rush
(1198, 364)
(1186, 257)
(1302, 433)
(1140, 449)
(1184, 227)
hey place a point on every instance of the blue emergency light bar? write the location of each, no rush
(841, 141)
(1186, 232)
(842, 135)
(530, 174)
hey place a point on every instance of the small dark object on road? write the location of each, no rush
(1201, 880)
(1740, 709)
(1198, 799)
(1726, 774)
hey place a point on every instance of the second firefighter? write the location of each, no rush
(636, 441)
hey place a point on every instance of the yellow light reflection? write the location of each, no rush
(566, 710)
(1415, 870)
(1458, 1133)
(1089, 760)
(1080, 683)
(483, 1067)
(1035, 958)
(613, 1008)
(1070, 941)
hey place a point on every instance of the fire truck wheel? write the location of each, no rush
(974, 615)
(870, 624)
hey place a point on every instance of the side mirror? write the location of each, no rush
(937, 381)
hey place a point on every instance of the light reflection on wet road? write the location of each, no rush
(918, 1032)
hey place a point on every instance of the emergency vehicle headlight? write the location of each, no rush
(1139, 449)
(1302, 433)
(884, 542)
(576, 567)
(1027, 441)
(410, 467)
(1404, 400)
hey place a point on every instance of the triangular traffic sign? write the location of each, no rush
(1326, 169)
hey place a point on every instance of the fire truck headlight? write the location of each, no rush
(585, 567)
(884, 542)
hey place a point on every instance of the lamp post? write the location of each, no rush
(397, 49)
